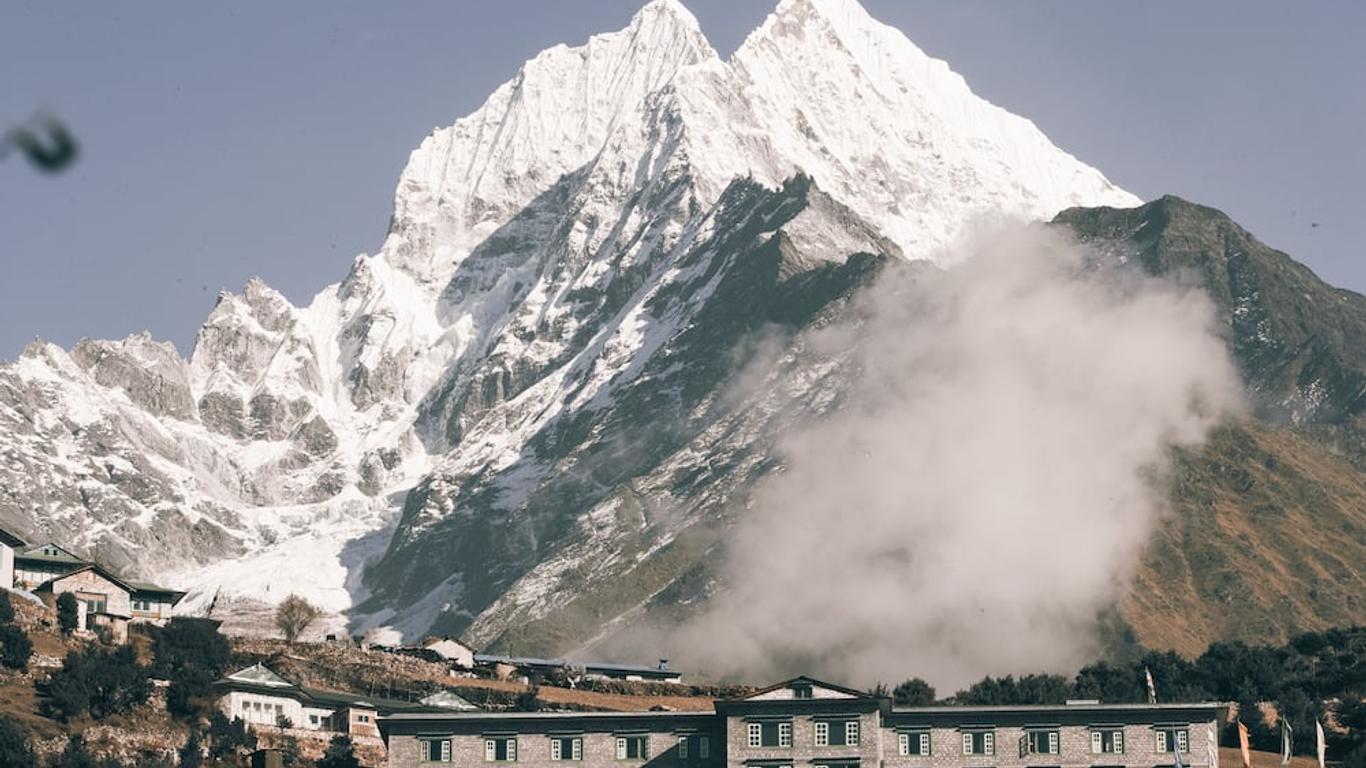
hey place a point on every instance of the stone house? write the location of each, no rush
(104, 602)
(9, 544)
(805, 723)
(38, 565)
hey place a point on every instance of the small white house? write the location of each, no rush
(9, 543)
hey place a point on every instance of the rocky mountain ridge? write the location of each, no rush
(518, 420)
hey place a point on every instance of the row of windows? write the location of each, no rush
(779, 734)
(570, 748)
(1104, 741)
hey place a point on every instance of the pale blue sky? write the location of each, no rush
(228, 140)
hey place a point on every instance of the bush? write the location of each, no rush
(67, 612)
(76, 755)
(227, 738)
(100, 682)
(294, 615)
(15, 647)
(14, 748)
(192, 753)
(192, 654)
(6, 608)
(341, 753)
(290, 753)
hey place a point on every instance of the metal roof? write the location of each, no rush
(11, 540)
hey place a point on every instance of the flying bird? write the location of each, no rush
(49, 146)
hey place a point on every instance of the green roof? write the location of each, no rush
(10, 540)
(57, 555)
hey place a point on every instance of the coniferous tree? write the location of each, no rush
(341, 753)
(14, 746)
(6, 608)
(15, 647)
(913, 693)
(68, 614)
(192, 753)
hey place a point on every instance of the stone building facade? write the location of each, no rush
(804, 723)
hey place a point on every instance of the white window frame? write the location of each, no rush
(1053, 742)
(443, 751)
(822, 733)
(925, 743)
(703, 747)
(1162, 740)
(851, 733)
(491, 749)
(1098, 741)
(903, 743)
(755, 734)
(785, 735)
(988, 743)
(682, 747)
(1183, 740)
(644, 749)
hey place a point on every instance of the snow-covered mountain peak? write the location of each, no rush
(554, 116)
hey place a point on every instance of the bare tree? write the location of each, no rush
(294, 615)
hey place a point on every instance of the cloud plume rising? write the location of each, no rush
(990, 481)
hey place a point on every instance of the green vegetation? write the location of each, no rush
(228, 739)
(15, 647)
(14, 746)
(192, 654)
(98, 682)
(1298, 678)
(67, 612)
(341, 753)
(6, 608)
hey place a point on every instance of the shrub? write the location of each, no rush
(14, 748)
(100, 682)
(67, 612)
(192, 753)
(15, 647)
(341, 753)
(229, 737)
(6, 608)
(76, 755)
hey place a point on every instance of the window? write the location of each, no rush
(836, 733)
(633, 748)
(1042, 742)
(1169, 739)
(566, 748)
(312, 719)
(703, 747)
(1107, 741)
(801, 691)
(362, 718)
(682, 747)
(913, 743)
(979, 743)
(769, 734)
(500, 750)
(436, 750)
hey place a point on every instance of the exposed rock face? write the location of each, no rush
(535, 410)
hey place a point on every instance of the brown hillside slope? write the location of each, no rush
(1267, 539)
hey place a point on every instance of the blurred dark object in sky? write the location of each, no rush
(46, 142)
